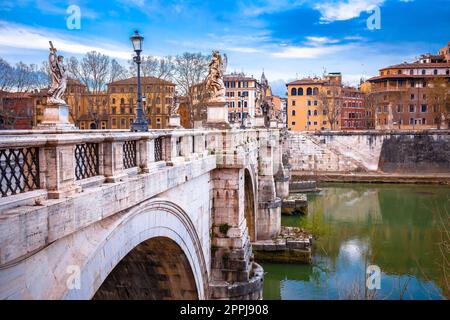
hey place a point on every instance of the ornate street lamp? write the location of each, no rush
(140, 124)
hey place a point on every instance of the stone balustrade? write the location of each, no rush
(36, 164)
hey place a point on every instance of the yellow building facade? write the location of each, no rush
(303, 105)
(157, 100)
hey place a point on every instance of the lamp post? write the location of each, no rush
(140, 124)
(242, 112)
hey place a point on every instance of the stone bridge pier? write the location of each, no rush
(121, 215)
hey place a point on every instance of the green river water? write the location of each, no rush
(395, 227)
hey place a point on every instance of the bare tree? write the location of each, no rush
(95, 71)
(6, 75)
(161, 68)
(191, 69)
(439, 100)
(117, 71)
(330, 104)
(27, 77)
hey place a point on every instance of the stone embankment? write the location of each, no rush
(293, 245)
(295, 204)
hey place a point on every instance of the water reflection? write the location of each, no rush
(396, 227)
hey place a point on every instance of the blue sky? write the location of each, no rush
(286, 38)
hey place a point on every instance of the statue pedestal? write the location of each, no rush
(56, 117)
(217, 117)
(259, 122)
(273, 124)
(175, 122)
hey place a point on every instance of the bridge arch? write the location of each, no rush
(250, 202)
(156, 269)
(76, 266)
(154, 223)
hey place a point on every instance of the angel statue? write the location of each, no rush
(215, 84)
(59, 78)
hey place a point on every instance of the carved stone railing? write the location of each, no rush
(19, 170)
(39, 164)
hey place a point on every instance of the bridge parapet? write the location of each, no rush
(54, 184)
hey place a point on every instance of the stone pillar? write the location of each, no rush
(281, 174)
(217, 117)
(58, 167)
(234, 275)
(269, 204)
(113, 163)
(56, 117)
(175, 122)
(259, 122)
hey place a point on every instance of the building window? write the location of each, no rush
(315, 112)
(309, 92)
(435, 72)
(399, 72)
(324, 112)
(399, 108)
(324, 123)
(412, 96)
(424, 72)
(122, 101)
(309, 123)
(293, 102)
(294, 123)
(293, 92)
(122, 121)
(447, 72)
(315, 91)
(113, 121)
(315, 102)
(309, 112)
(411, 120)
(300, 91)
(385, 109)
(293, 112)
(113, 110)
(122, 110)
(411, 72)
(424, 108)
(412, 108)
(114, 101)
(315, 123)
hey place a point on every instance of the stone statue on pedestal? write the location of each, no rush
(217, 108)
(59, 78)
(56, 113)
(214, 82)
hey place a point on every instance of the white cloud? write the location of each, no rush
(22, 37)
(309, 52)
(344, 9)
(244, 50)
(256, 8)
(320, 40)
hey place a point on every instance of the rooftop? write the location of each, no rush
(306, 81)
(144, 81)
(418, 65)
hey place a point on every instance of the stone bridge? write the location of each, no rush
(120, 215)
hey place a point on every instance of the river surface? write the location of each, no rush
(395, 227)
